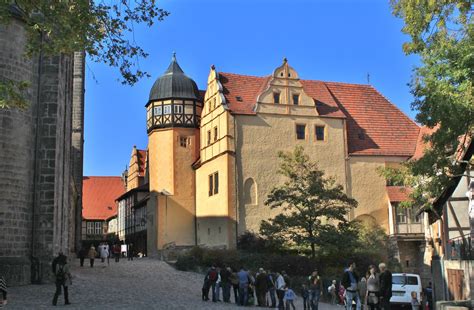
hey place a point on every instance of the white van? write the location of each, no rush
(402, 286)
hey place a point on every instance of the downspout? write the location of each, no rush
(236, 184)
(35, 264)
(346, 165)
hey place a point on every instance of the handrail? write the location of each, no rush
(461, 248)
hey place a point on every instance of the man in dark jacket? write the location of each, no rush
(385, 279)
(350, 280)
(225, 283)
(62, 277)
(261, 287)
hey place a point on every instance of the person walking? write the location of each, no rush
(3, 289)
(350, 280)
(62, 278)
(271, 288)
(373, 289)
(205, 288)
(130, 252)
(92, 254)
(289, 298)
(280, 290)
(104, 253)
(116, 251)
(261, 287)
(82, 255)
(305, 295)
(244, 282)
(315, 289)
(385, 286)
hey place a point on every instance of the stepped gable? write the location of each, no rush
(374, 125)
(141, 162)
(99, 194)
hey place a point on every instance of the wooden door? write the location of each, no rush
(455, 284)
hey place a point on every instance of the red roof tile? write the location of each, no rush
(99, 194)
(421, 145)
(374, 125)
(398, 193)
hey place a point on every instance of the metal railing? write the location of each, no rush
(461, 247)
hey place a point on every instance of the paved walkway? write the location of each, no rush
(142, 284)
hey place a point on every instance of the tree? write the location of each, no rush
(310, 203)
(103, 29)
(441, 33)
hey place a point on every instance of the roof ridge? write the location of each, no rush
(254, 76)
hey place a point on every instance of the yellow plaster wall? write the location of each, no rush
(368, 187)
(260, 137)
(171, 170)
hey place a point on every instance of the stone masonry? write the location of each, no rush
(40, 159)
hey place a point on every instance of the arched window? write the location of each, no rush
(250, 192)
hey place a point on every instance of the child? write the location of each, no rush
(332, 292)
(305, 295)
(415, 304)
(289, 298)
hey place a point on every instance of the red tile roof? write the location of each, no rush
(374, 125)
(99, 194)
(421, 145)
(398, 193)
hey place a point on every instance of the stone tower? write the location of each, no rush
(40, 158)
(173, 117)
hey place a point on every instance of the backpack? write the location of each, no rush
(61, 273)
(213, 275)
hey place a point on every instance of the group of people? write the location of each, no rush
(104, 251)
(273, 289)
(267, 288)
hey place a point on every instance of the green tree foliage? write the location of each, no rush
(103, 29)
(441, 33)
(310, 203)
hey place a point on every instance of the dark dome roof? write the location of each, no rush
(174, 84)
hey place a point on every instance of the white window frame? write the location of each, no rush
(157, 110)
(167, 109)
(90, 228)
(178, 109)
(98, 228)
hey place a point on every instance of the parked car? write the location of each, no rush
(402, 286)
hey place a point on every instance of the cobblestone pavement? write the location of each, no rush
(141, 284)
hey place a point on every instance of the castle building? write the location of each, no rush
(212, 155)
(41, 152)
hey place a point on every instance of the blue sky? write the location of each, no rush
(323, 40)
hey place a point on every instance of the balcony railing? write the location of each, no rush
(460, 248)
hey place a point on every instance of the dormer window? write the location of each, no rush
(276, 97)
(296, 99)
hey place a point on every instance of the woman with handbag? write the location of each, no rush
(373, 288)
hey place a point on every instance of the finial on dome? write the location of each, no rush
(285, 60)
(213, 67)
(174, 56)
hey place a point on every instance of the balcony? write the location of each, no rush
(460, 248)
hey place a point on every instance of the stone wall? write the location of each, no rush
(40, 174)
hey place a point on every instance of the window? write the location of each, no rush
(148, 114)
(208, 137)
(415, 218)
(98, 228)
(319, 130)
(296, 99)
(401, 215)
(167, 109)
(213, 183)
(215, 134)
(276, 97)
(300, 132)
(184, 141)
(157, 110)
(178, 109)
(90, 228)
(220, 229)
(214, 103)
